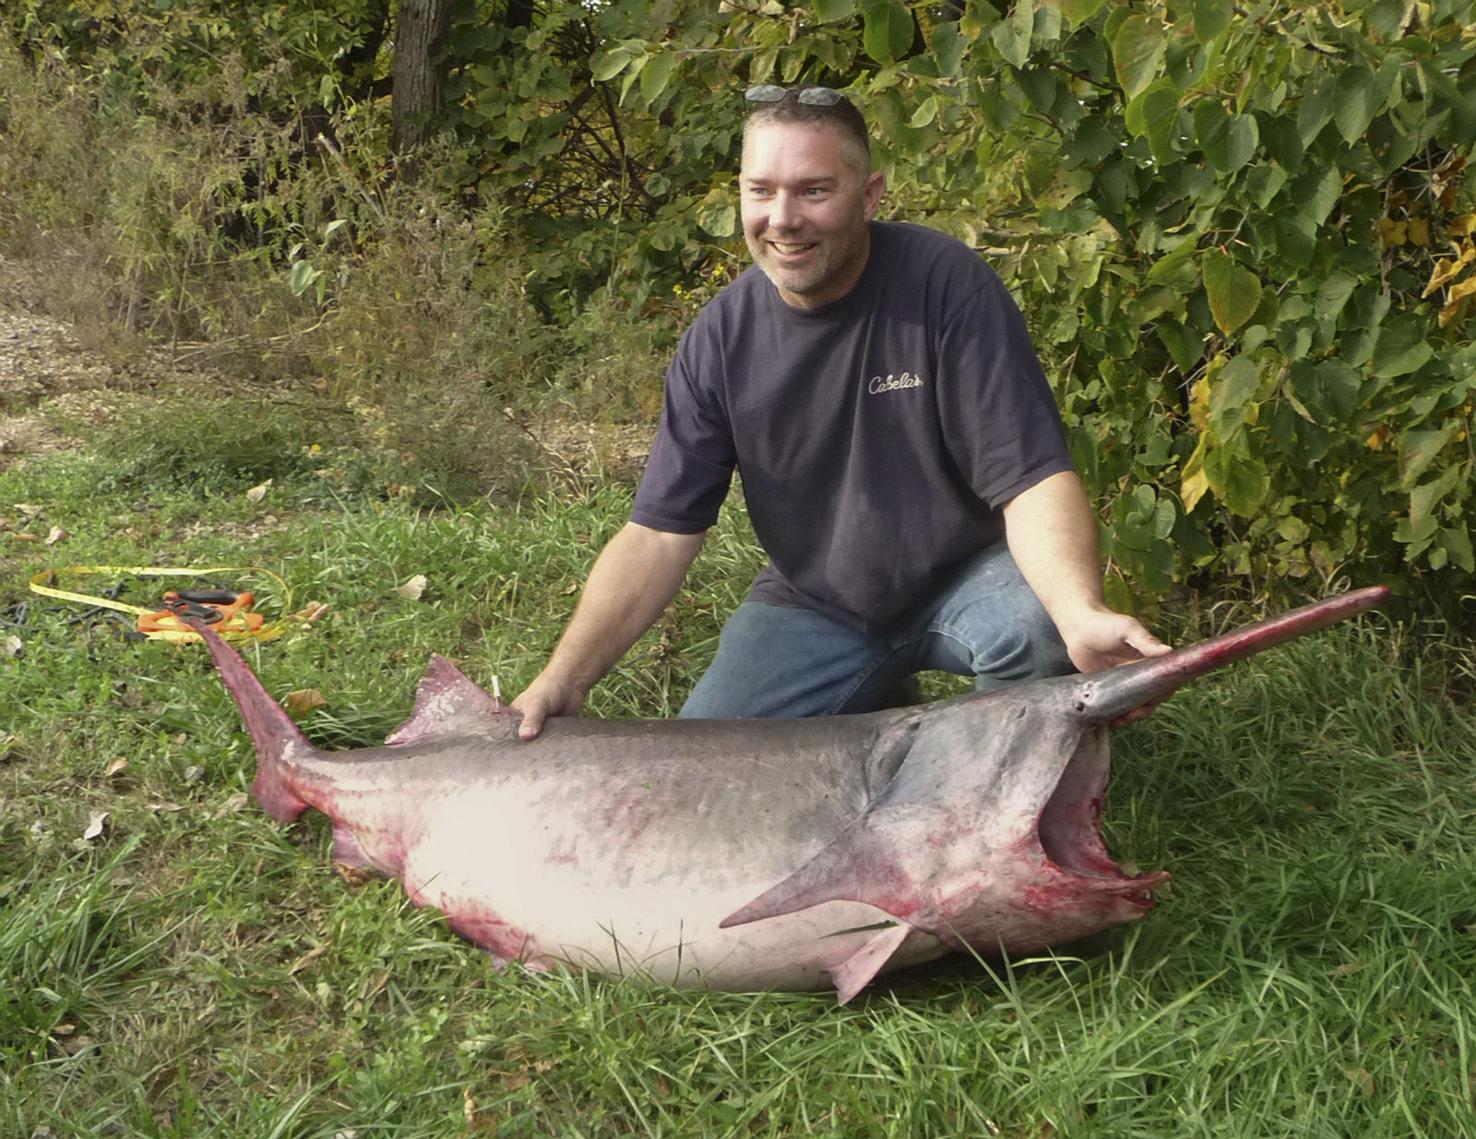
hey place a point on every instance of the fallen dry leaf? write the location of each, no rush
(312, 611)
(14, 647)
(26, 536)
(72, 1045)
(353, 875)
(414, 588)
(308, 958)
(163, 808)
(257, 493)
(96, 823)
(303, 701)
(57, 535)
(231, 805)
(115, 765)
(28, 510)
(374, 984)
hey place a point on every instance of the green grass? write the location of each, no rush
(198, 970)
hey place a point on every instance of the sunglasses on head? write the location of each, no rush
(809, 96)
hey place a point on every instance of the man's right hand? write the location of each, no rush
(635, 577)
(542, 699)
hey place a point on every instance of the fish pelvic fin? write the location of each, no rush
(856, 866)
(860, 968)
(447, 703)
(272, 730)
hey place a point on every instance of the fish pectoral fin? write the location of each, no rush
(858, 970)
(857, 866)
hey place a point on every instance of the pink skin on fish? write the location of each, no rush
(745, 855)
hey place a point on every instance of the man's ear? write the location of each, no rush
(871, 192)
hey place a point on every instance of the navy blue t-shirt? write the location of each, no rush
(876, 436)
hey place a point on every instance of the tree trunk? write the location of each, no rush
(419, 33)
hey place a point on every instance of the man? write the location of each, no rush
(902, 458)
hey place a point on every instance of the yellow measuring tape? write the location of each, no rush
(45, 583)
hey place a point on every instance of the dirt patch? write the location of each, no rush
(51, 383)
(40, 359)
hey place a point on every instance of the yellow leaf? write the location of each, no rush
(1193, 482)
(1392, 232)
(303, 701)
(1377, 438)
(1199, 401)
(1445, 272)
(414, 587)
(1419, 231)
(1461, 291)
(1457, 303)
(1465, 224)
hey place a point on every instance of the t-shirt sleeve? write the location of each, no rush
(692, 460)
(1000, 419)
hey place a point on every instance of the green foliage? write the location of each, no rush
(210, 444)
(1245, 240)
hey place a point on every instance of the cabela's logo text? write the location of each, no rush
(892, 383)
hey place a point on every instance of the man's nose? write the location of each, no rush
(784, 213)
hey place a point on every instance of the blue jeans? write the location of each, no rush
(773, 660)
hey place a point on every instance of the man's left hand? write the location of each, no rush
(1103, 638)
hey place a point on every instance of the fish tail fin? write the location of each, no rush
(272, 731)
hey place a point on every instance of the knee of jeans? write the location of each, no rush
(1026, 651)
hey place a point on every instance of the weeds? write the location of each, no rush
(224, 238)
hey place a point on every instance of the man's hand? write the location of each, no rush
(1102, 638)
(1052, 534)
(635, 577)
(542, 699)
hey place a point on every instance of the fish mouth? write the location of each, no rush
(1070, 828)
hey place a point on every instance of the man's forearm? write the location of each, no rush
(1052, 536)
(632, 581)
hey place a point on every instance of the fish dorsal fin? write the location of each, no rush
(856, 866)
(449, 703)
(857, 971)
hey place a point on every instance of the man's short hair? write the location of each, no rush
(841, 113)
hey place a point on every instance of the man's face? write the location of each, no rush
(806, 209)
